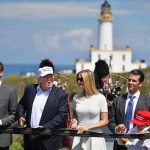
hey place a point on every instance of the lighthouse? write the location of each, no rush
(118, 60)
(105, 39)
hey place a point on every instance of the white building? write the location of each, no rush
(118, 60)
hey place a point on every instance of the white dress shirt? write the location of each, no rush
(38, 106)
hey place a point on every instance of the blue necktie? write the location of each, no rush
(128, 115)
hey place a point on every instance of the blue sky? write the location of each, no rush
(63, 30)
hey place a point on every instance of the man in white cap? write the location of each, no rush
(43, 105)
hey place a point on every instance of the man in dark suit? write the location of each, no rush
(8, 105)
(43, 105)
(118, 116)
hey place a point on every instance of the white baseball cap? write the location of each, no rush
(45, 71)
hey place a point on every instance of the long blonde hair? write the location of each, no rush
(89, 82)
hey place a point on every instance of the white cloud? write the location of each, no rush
(75, 39)
(138, 41)
(79, 38)
(52, 41)
(44, 10)
(46, 42)
(10, 42)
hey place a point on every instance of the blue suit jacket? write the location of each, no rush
(53, 116)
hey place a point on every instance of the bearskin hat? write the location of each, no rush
(101, 68)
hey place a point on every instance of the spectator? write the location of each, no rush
(142, 122)
(90, 113)
(43, 105)
(102, 81)
(8, 105)
(124, 107)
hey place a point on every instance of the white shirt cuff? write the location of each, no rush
(0, 122)
(128, 143)
(115, 130)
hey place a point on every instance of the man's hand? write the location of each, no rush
(120, 128)
(22, 122)
(124, 140)
(39, 126)
(109, 103)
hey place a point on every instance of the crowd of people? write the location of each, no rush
(44, 105)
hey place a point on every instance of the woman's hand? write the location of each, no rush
(73, 124)
(142, 132)
(82, 129)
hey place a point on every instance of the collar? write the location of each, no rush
(39, 89)
(137, 94)
(0, 82)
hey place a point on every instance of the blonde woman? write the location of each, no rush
(90, 113)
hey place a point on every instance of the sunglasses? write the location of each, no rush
(80, 79)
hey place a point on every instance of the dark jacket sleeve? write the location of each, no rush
(112, 121)
(22, 105)
(117, 113)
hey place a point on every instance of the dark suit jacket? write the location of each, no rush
(53, 116)
(8, 105)
(118, 113)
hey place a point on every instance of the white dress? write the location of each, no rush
(88, 112)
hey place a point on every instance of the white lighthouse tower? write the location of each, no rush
(105, 40)
(121, 60)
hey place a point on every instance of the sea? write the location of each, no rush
(21, 69)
